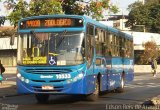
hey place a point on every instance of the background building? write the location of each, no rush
(140, 38)
(8, 53)
(117, 21)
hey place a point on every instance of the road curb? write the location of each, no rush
(5, 96)
(153, 101)
(9, 96)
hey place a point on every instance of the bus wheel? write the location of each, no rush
(42, 98)
(121, 88)
(94, 96)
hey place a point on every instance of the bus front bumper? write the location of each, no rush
(78, 87)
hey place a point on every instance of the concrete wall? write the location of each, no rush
(10, 70)
(144, 68)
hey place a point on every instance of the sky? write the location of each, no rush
(122, 4)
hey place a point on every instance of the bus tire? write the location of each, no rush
(94, 96)
(42, 98)
(121, 88)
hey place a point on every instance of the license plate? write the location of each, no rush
(47, 87)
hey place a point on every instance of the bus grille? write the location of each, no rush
(48, 71)
(55, 81)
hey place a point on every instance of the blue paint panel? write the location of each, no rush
(83, 86)
(115, 74)
(22, 88)
(129, 69)
(90, 84)
(104, 82)
(116, 66)
(53, 30)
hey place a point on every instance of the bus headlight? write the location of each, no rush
(76, 78)
(22, 78)
(27, 80)
(18, 75)
(80, 76)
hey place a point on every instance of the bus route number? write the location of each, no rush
(63, 76)
(33, 23)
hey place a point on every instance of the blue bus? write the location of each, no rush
(71, 54)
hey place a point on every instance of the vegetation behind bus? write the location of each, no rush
(145, 16)
(22, 9)
(151, 50)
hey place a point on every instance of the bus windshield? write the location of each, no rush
(51, 49)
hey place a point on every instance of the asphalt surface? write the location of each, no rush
(143, 88)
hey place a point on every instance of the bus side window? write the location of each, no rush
(98, 43)
(126, 48)
(117, 46)
(90, 43)
(107, 44)
(98, 61)
(111, 48)
(122, 47)
(103, 63)
(131, 49)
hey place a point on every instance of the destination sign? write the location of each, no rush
(35, 60)
(51, 22)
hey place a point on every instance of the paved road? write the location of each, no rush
(142, 88)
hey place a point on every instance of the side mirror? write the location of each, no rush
(12, 39)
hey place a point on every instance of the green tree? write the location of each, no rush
(22, 9)
(147, 15)
(92, 8)
(152, 1)
(44, 7)
(151, 51)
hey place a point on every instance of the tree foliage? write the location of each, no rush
(147, 15)
(44, 7)
(92, 8)
(151, 51)
(21, 8)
